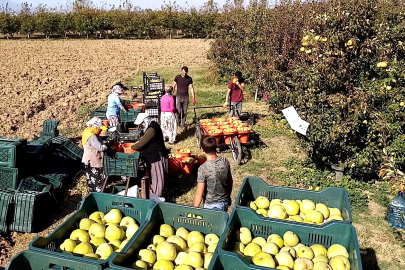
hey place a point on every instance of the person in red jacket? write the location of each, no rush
(234, 95)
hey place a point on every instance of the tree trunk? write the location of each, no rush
(28, 35)
(87, 35)
(65, 34)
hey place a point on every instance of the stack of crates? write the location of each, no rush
(34, 176)
(153, 89)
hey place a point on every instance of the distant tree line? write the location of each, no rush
(125, 21)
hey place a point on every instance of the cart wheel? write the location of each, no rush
(198, 135)
(236, 150)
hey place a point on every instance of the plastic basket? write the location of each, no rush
(72, 150)
(42, 140)
(59, 140)
(153, 112)
(30, 184)
(225, 261)
(151, 101)
(56, 180)
(136, 208)
(101, 115)
(27, 210)
(332, 233)
(58, 163)
(130, 116)
(31, 260)
(214, 221)
(6, 199)
(253, 187)
(122, 164)
(154, 84)
(8, 178)
(50, 128)
(12, 151)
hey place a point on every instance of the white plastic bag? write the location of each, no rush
(132, 192)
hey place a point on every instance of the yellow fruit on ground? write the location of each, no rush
(317, 38)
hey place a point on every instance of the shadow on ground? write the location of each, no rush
(369, 259)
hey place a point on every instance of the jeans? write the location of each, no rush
(182, 106)
(237, 109)
(220, 205)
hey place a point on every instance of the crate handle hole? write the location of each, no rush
(56, 266)
(120, 204)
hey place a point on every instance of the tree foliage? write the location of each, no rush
(340, 63)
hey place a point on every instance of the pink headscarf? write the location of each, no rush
(118, 89)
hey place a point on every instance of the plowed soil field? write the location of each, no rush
(51, 79)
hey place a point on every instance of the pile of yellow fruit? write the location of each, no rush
(288, 253)
(177, 250)
(184, 150)
(100, 235)
(295, 210)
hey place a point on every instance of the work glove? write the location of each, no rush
(193, 100)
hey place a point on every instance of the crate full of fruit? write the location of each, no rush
(176, 236)
(270, 243)
(294, 205)
(102, 225)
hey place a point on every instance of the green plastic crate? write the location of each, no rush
(59, 140)
(28, 212)
(50, 128)
(72, 150)
(8, 178)
(225, 261)
(253, 187)
(30, 184)
(42, 140)
(12, 152)
(214, 221)
(137, 208)
(31, 260)
(122, 164)
(116, 189)
(332, 233)
(6, 199)
(55, 179)
(129, 116)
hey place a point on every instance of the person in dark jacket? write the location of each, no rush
(154, 151)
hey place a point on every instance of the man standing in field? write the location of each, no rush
(182, 84)
(234, 95)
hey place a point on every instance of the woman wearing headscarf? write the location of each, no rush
(115, 105)
(167, 117)
(154, 151)
(93, 154)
